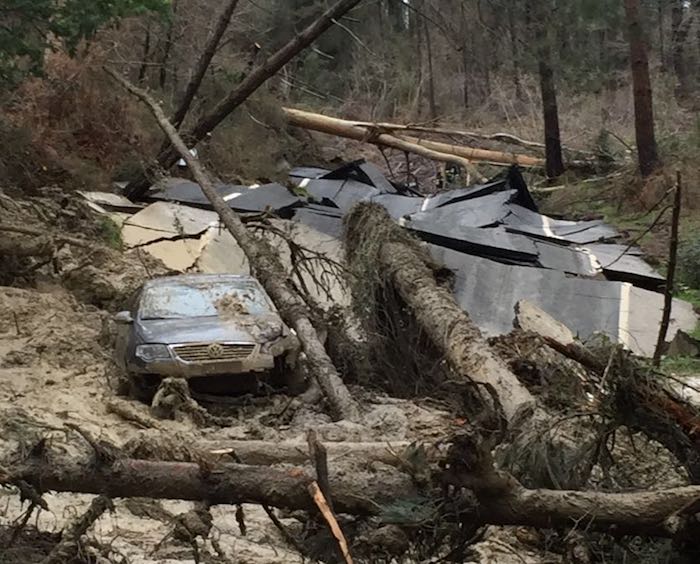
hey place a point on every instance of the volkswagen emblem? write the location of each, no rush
(215, 350)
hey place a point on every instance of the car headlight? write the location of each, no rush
(149, 353)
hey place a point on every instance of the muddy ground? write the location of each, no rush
(56, 369)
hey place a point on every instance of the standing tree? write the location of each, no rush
(643, 104)
(548, 89)
(168, 156)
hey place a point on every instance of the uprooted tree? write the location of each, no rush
(386, 260)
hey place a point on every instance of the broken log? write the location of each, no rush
(342, 128)
(361, 493)
(266, 267)
(484, 155)
(254, 80)
(501, 137)
(502, 501)
(268, 453)
(431, 149)
(449, 328)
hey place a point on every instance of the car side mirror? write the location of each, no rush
(123, 318)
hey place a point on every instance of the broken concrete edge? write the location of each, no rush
(529, 317)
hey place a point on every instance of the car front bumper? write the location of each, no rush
(174, 367)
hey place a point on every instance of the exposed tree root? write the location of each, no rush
(67, 549)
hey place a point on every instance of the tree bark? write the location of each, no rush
(168, 157)
(502, 501)
(669, 289)
(268, 453)
(662, 33)
(267, 269)
(515, 52)
(342, 128)
(448, 327)
(550, 111)
(432, 104)
(465, 55)
(203, 63)
(486, 155)
(501, 137)
(643, 105)
(228, 484)
(146, 51)
(548, 91)
(373, 133)
(680, 28)
(167, 47)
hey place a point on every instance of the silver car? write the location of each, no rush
(205, 328)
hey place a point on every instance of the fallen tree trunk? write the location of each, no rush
(207, 123)
(225, 484)
(541, 452)
(449, 328)
(485, 155)
(501, 137)
(342, 128)
(440, 151)
(502, 501)
(268, 453)
(267, 269)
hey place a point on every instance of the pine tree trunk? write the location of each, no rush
(465, 56)
(550, 110)
(146, 50)
(662, 34)
(432, 104)
(643, 104)
(515, 53)
(163, 75)
(536, 14)
(680, 30)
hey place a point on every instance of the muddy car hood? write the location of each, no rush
(244, 328)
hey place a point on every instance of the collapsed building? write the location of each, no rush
(492, 236)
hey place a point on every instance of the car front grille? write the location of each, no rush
(214, 352)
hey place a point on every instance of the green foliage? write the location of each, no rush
(111, 233)
(29, 27)
(690, 295)
(681, 365)
(689, 261)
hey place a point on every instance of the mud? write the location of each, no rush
(56, 369)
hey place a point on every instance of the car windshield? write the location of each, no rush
(207, 299)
